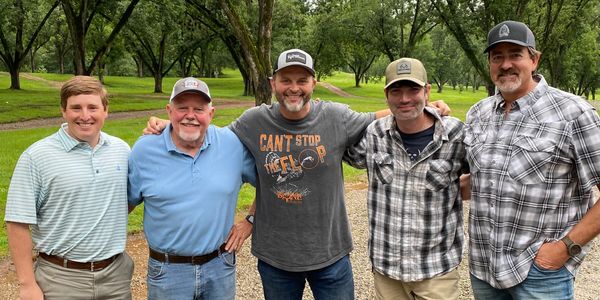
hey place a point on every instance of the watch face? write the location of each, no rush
(250, 219)
(574, 250)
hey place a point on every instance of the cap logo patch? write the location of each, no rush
(403, 68)
(504, 31)
(190, 83)
(295, 57)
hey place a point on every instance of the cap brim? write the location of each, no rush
(192, 91)
(311, 71)
(520, 43)
(417, 81)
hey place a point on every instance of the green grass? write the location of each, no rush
(39, 99)
(370, 97)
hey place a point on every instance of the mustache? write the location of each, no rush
(507, 72)
(189, 123)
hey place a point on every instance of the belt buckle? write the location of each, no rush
(92, 266)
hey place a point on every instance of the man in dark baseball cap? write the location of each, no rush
(510, 32)
(534, 159)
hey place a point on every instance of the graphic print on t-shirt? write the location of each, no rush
(287, 158)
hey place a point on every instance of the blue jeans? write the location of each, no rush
(332, 282)
(540, 284)
(212, 280)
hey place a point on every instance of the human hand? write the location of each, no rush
(441, 106)
(30, 292)
(155, 125)
(238, 235)
(552, 255)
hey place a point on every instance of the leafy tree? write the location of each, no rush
(247, 39)
(161, 46)
(20, 24)
(397, 26)
(80, 15)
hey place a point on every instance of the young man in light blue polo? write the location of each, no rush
(70, 190)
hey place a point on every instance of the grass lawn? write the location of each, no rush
(41, 99)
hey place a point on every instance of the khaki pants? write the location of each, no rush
(58, 282)
(437, 288)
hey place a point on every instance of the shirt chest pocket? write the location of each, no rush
(383, 167)
(440, 174)
(535, 160)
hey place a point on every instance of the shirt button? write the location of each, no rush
(492, 183)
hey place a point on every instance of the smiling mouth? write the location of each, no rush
(85, 125)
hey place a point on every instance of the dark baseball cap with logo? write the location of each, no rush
(190, 85)
(510, 32)
(294, 57)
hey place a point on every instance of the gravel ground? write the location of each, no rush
(587, 285)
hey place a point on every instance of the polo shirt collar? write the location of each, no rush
(69, 143)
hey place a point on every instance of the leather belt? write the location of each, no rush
(69, 264)
(178, 259)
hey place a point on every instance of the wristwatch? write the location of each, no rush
(250, 219)
(572, 247)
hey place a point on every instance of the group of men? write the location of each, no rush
(529, 150)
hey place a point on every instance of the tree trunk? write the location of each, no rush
(158, 82)
(32, 61)
(491, 88)
(61, 63)
(15, 83)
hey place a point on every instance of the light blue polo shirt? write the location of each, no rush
(74, 196)
(189, 202)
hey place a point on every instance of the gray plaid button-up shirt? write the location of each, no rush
(532, 173)
(415, 209)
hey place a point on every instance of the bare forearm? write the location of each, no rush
(382, 113)
(20, 245)
(589, 226)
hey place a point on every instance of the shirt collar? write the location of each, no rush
(69, 143)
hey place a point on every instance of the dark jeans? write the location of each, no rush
(332, 282)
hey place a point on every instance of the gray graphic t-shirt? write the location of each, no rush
(301, 222)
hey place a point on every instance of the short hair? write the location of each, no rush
(82, 85)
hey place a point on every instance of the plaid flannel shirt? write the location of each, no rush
(415, 208)
(532, 173)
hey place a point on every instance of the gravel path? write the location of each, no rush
(587, 285)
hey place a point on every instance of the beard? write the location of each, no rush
(508, 85)
(409, 115)
(189, 136)
(293, 107)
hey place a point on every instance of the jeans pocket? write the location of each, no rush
(155, 268)
(544, 270)
(228, 258)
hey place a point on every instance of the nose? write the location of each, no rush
(505, 64)
(189, 114)
(85, 113)
(294, 86)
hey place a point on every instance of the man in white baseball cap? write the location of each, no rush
(188, 179)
